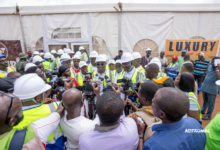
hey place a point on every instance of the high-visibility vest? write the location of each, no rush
(10, 69)
(79, 79)
(172, 74)
(82, 57)
(89, 68)
(47, 64)
(141, 70)
(73, 74)
(161, 75)
(134, 79)
(108, 73)
(107, 67)
(36, 113)
(193, 98)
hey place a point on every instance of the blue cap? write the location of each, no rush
(184, 51)
(1, 55)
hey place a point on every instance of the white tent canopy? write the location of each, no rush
(106, 28)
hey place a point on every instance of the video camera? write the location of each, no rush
(109, 85)
(60, 86)
(49, 73)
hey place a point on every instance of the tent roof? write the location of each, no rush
(113, 7)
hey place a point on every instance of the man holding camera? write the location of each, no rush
(81, 75)
(92, 66)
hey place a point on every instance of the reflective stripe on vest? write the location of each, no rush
(193, 99)
(172, 66)
(46, 65)
(82, 57)
(172, 74)
(79, 79)
(73, 75)
(161, 75)
(11, 69)
(89, 68)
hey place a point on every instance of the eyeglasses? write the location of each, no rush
(9, 109)
(76, 61)
(100, 64)
(118, 66)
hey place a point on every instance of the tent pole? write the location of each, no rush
(22, 29)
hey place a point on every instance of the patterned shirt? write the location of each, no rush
(200, 66)
(163, 61)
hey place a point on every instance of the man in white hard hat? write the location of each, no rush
(137, 62)
(55, 60)
(48, 62)
(66, 60)
(92, 66)
(111, 65)
(31, 90)
(59, 53)
(71, 54)
(76, 60)
(84, 56)
(81, 75)
(118, 71)
(102, 72)
(146, 59)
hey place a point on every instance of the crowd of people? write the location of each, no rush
(71, 100)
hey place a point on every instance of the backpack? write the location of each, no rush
(149, 121)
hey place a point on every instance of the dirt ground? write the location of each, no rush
(216, 110)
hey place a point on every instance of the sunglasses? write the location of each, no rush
(76, 61)
(9, 109)
(100, 64)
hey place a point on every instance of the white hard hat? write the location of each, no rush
(136, 55)
(93, 54)
(37, 58)
(148, 49)
(118, 62)
(65, 56)
(65, 50)
(36, 53)
(60, 52)
(111, 61)
(28, 65)
(81, 48)
(78, 53)
(71, 52)
(47, 55)
(100, 58)
(106, 57)
(29, 86)
(53, 51)
(41, 54)
(126, 57)
(76, 56)
(156, 61)
(68, 51)
(82, 63)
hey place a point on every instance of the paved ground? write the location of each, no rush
(216, 110)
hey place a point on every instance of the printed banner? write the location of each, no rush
(193, 47)
(11, 49)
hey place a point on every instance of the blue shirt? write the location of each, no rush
(209, 85)
(200, 66)
(173, 136)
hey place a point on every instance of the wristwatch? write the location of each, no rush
(141, 136)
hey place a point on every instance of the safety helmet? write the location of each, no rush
(118, 62)
(81, 48)
(47, 55)
(78, 53)
(126, 57)
(156, 61)
(93, 54)
(60, 52)
(148, 49)
(36, 53)
(53, 51)
(65, 56)
(111, 61)
(76, 57)
(82, 63)
(37, 58)
(1, 55)
(100, 58)
(28, 65)
(29, 86)
(106, 57)
(136, 55)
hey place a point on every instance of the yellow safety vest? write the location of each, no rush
(107, 67)
(108, 73)
(73, 74)
(47, 65)
(82, 57)
(161, 75)
(193, 99)
(134, 79)
(10, 69)
(89, 68)
(36, 113)
(79, 79)
(141, 70)
(172, 65)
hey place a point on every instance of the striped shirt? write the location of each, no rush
(200, 66)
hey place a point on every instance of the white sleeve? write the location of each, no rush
(192, 106)
(85, 58)
(45, 126)
(143, 78)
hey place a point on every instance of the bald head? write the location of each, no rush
(15, 115)
(151, 71)
(173, 102)
(72, 98)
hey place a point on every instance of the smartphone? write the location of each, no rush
(216, 62)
